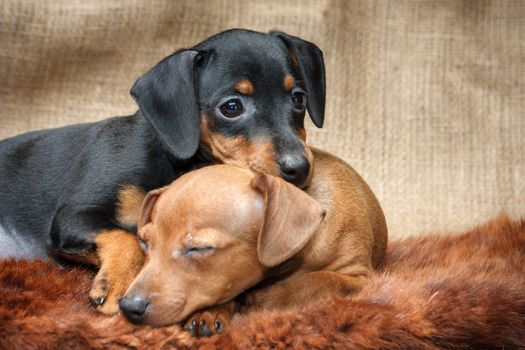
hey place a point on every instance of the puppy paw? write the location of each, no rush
(211, 321)
(121, 258)
(99, 289)
(104, 295)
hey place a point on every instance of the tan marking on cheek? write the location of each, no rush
(289, 82)
(228, 150)
(257, 155)
(302, 134)
(262, 157)
(129, 202)
(245, 87)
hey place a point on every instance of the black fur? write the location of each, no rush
(59, 187)
(161, 97)
(311, 69)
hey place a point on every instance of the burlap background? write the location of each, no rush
(426, 99)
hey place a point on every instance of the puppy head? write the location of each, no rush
(211, 235)
(242, 96)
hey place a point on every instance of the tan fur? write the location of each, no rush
(120, 258)
(289, 82)
(257, 154)
(291, 218)
(130, 198)
(354, 223)
(217, 206)
(228, 221)
(348, 245)
(245, 87)
(302, 134)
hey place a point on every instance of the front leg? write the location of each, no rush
(121, 259)
(300, 289)
(84, 235)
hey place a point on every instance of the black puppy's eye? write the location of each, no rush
(143, 245)
(299, 100)
(232, 108)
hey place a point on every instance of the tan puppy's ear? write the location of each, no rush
(291, 218)
(148, 204)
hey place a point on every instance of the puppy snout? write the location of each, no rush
(295, 169)
(134, 308)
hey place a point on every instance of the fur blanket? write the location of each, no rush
(437, 291)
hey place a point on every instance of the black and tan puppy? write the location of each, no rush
(239, 98)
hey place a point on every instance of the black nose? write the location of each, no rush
(295, 169)
(134, 308)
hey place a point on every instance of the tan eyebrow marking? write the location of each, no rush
(244, 86)
(289, 82)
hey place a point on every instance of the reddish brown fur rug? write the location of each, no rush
(440, 291)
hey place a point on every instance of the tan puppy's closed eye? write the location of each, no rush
(291, 218)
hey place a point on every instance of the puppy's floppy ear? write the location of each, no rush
(311, 67)
(167, 99)
(291, 217)
(148, 204)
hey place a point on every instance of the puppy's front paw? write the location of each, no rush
(210, 321)
(105, 294)
(121, 258)
(99, 289)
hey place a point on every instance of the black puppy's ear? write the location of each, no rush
(167, 99)
(311, 66)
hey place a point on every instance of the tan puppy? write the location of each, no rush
(218, 231)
